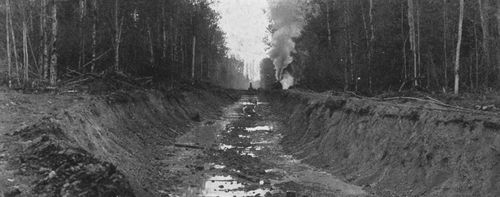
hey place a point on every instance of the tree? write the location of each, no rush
(498, 38)
(25, 44)
(45, 41)
(411, 22)
(371, 46)
(483, 10)
(459, 43)
(118, 33)
(53, 42)
(445, 46)
(94, 35)
(7, 30)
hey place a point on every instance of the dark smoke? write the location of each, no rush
(288, 20)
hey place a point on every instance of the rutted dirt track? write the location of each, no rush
(242, 157)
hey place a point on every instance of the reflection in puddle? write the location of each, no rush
(243, 136)
(217, 166)
(248, 151)
(223, 186)
(259, 128)
(225, 147)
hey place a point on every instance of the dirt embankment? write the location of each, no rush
(395, 148)
(103, 145)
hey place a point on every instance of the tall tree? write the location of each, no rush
(7, 30)
(483, 12)
(118, 31)
(94, 35)
(498, 37)
(14, 45)
(193, 61)
(328, 27)
(371, 50)
(45, 41)
(459, 43)
(53, 44)
(82, 11)
(445, 47)
(25, 43)
(411, 22)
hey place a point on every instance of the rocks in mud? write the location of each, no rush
(61, 169)
(195, 117)
(12, 192)
(291, 194)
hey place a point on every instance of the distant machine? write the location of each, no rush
(250, 88)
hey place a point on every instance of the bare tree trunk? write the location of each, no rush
(483, 8)
(445, 58)
(328, 23)
(498, 34)
(164, 34)
(117, 38)
(7, 29)
(82, 35)
(14, 43)
(419, 61)
(194, 59)
(94, 35)
(182, 56)
(476, 57)
(346, 57)
(151, 49)
(372, 43)
(201, 66)
(45, 41)
(173, 52)
(53, 54)
(411, 22)
(349, 41)
(459, 43)
(403, 34)
(25, 45)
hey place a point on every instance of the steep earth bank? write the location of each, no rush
(394, 148)
(103, 145)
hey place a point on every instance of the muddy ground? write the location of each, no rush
(240, 155)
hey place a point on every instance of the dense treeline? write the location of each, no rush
(47, 40)
(380, 45)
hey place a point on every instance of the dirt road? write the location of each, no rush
(240, 155)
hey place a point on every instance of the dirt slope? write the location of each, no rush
(112, 140)
(395, 148)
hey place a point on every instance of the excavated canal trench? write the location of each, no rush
(224, 143)
(243, 157)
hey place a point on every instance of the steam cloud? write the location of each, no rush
(288, 20)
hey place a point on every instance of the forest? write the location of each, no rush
(368, 46)
(373, 46)
(50, 42)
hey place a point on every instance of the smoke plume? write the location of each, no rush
(288, 20)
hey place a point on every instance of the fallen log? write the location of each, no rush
(189, 146)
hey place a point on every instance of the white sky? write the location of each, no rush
(245, 22)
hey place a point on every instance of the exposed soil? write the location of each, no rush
(207, 142)
(395, 148)
(97, 145)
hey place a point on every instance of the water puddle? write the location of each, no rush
(227, 186)
(259, 128)
(226, 147)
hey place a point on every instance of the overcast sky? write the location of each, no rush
(245, 22)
